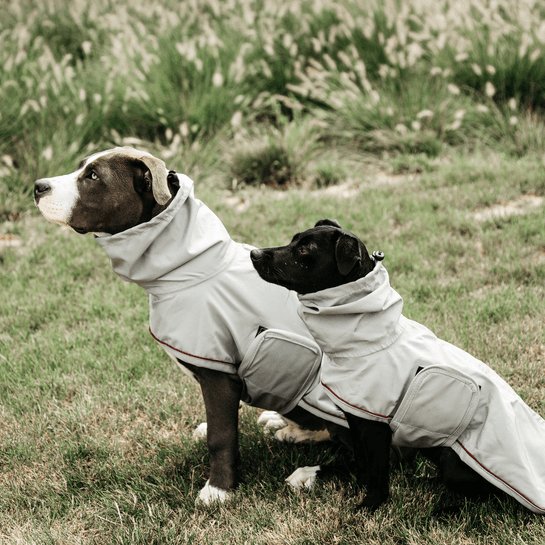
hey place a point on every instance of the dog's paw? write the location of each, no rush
(271, 420)
(199, 433)
(294, 434)
(211, 494)
(303, 477)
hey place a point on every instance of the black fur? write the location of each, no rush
(324, 257)
(316, 259)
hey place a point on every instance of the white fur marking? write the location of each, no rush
(294, 434)
(303, 477)
(210, 494)
(57, 205)
(271, 420)
(200, 432)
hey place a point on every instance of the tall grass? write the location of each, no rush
(382, 76)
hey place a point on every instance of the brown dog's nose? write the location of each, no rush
(41, 188)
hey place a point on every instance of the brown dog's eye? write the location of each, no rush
(93, 175)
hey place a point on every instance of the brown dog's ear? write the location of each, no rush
(347, 253)
(158, 173)
(333, 223)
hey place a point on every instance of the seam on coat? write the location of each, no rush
(189, 353)
(541, 509)
(322, 410)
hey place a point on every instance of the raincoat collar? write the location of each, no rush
(357, 318)
(186, 243)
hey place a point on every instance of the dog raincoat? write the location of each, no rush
(382, 366)
(210, 308)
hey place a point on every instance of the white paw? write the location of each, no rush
(210, 494)
(199, 433)
(303, 477)
(271, 420)
(294, 434)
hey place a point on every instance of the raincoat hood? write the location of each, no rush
(185, 243)
(371, 306)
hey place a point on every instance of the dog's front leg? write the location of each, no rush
(372, 441)
(221, 393)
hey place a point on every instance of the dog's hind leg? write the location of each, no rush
(271, 420)
(293, 433)
(303, 427)
(460, 478)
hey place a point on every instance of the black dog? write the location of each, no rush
(324, 257)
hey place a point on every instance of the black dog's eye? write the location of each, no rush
(92, 175)
(306, 248)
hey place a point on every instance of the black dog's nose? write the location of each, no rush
(41, 188)
(256, 254)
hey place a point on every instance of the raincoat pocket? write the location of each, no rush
(267, 369)
(437, 407)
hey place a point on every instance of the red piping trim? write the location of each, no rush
(355, 406)
(542, 509)
(187, 353)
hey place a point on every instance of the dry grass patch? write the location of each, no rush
(520, 206)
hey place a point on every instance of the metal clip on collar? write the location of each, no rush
(378, 255)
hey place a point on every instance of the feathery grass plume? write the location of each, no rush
(73, 74)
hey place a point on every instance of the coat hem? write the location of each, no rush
(501, 483)
(193, 359)
(354, 409)
(321, 413)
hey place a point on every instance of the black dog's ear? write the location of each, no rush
(333, 223)
(173, 182)
(347, 253)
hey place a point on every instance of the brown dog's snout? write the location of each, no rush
(41, 188)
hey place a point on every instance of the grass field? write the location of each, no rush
(418, 125)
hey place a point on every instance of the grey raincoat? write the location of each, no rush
(210, 308)
(382, 366)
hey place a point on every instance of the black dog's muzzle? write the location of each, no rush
(257, 255)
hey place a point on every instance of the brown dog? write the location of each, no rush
(120, 192)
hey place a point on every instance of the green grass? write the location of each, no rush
(400, 119)
(95, 434)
